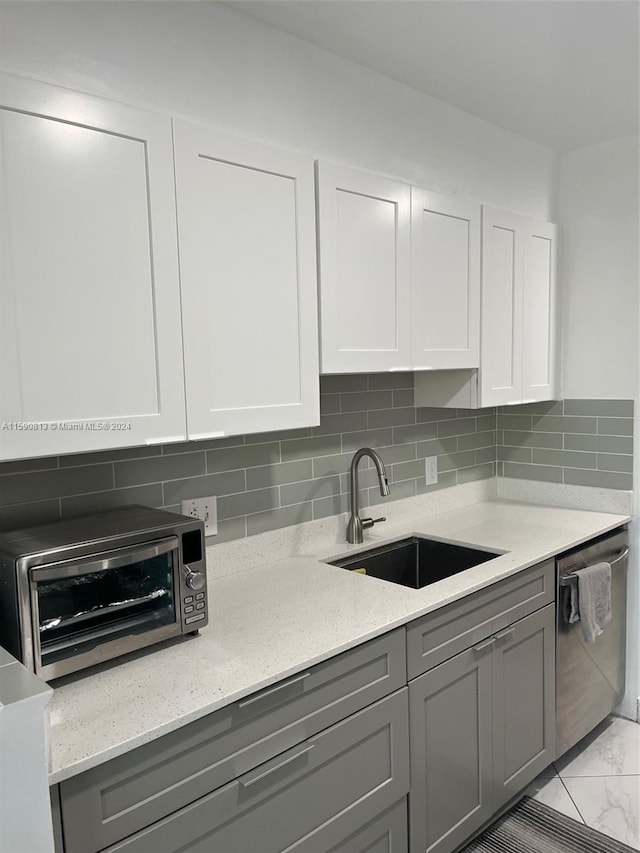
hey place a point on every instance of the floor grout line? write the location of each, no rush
(573, 801)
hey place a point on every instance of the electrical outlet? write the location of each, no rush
(431, 470)
(206, 510)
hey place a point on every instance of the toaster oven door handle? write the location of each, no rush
(103, 562)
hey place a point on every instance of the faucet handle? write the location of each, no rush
(369, 522)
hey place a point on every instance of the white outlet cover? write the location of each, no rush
(431, 470)
(206, 509)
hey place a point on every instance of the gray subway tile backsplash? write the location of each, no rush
(272, 519)
(600, 443)
(564, 458)
(601, 479)
(278, 475)
(607, 408)
(516, 438)
(249, 456)
(520, 470)
(615, 426)
(137, 472)
(270, 480)
(578, 442)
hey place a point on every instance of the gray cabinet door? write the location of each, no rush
(523, 687)
(450, 731)
(307, 800)
(387, 833)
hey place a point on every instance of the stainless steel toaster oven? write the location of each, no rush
(80, 592)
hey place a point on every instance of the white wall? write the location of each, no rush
(214, 64)
(598, 209)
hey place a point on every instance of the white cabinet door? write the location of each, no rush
(518, 354)
(90, 343)
(248, 280)
(364, 225)
(445, 281)
(502, 269)
(539, 345)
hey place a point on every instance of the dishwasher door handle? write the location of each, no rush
(572, 578)
(624, 553)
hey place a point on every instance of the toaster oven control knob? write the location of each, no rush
(194, 580)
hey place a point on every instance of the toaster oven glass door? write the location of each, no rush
(92, 609)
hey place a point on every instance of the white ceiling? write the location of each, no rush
(562, 72)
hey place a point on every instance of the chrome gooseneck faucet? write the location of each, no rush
(356, 524)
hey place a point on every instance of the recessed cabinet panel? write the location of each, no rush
(364, 247)
(103, 296)
(445, 281)
(518, 309)
(89, 282)
(247, 268)
(539, 345)
(238, 206)
(366, 242)
(501, 362)
(524, 702)
(450, 735)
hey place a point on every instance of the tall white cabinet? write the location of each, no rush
(90, 347)
(364, 238)
(246, 230)
(519, 347)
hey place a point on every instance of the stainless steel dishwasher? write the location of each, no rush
(589, 678)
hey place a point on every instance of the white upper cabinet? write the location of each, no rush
(364, 229)
(445, 281)
(90, 344)
(518, 358)
(539, 338)
(246, 231)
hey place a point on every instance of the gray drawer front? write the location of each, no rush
(331, 784)
(386, 834)
(116, 799)
(439, 636)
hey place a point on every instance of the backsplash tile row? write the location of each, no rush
(578, 442)
(271, 480)
(268, 480)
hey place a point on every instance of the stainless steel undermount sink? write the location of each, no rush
(416, 561)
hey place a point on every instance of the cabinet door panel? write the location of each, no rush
(89, 281)
(523, 703)
(501, 358)
(450, 732)
(364, 240)
(247, 267)
(539, 326)
(445, 281)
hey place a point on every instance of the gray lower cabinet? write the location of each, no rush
(482, 727)
(310, 799)
(450, 734)
(523, 677)
(113, 801)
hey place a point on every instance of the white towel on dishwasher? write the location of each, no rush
(594, 597)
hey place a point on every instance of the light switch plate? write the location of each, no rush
(431, 470)
(206, 510)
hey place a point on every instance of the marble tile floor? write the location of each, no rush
(598, 781)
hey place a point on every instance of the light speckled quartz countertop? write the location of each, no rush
(273, 620)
